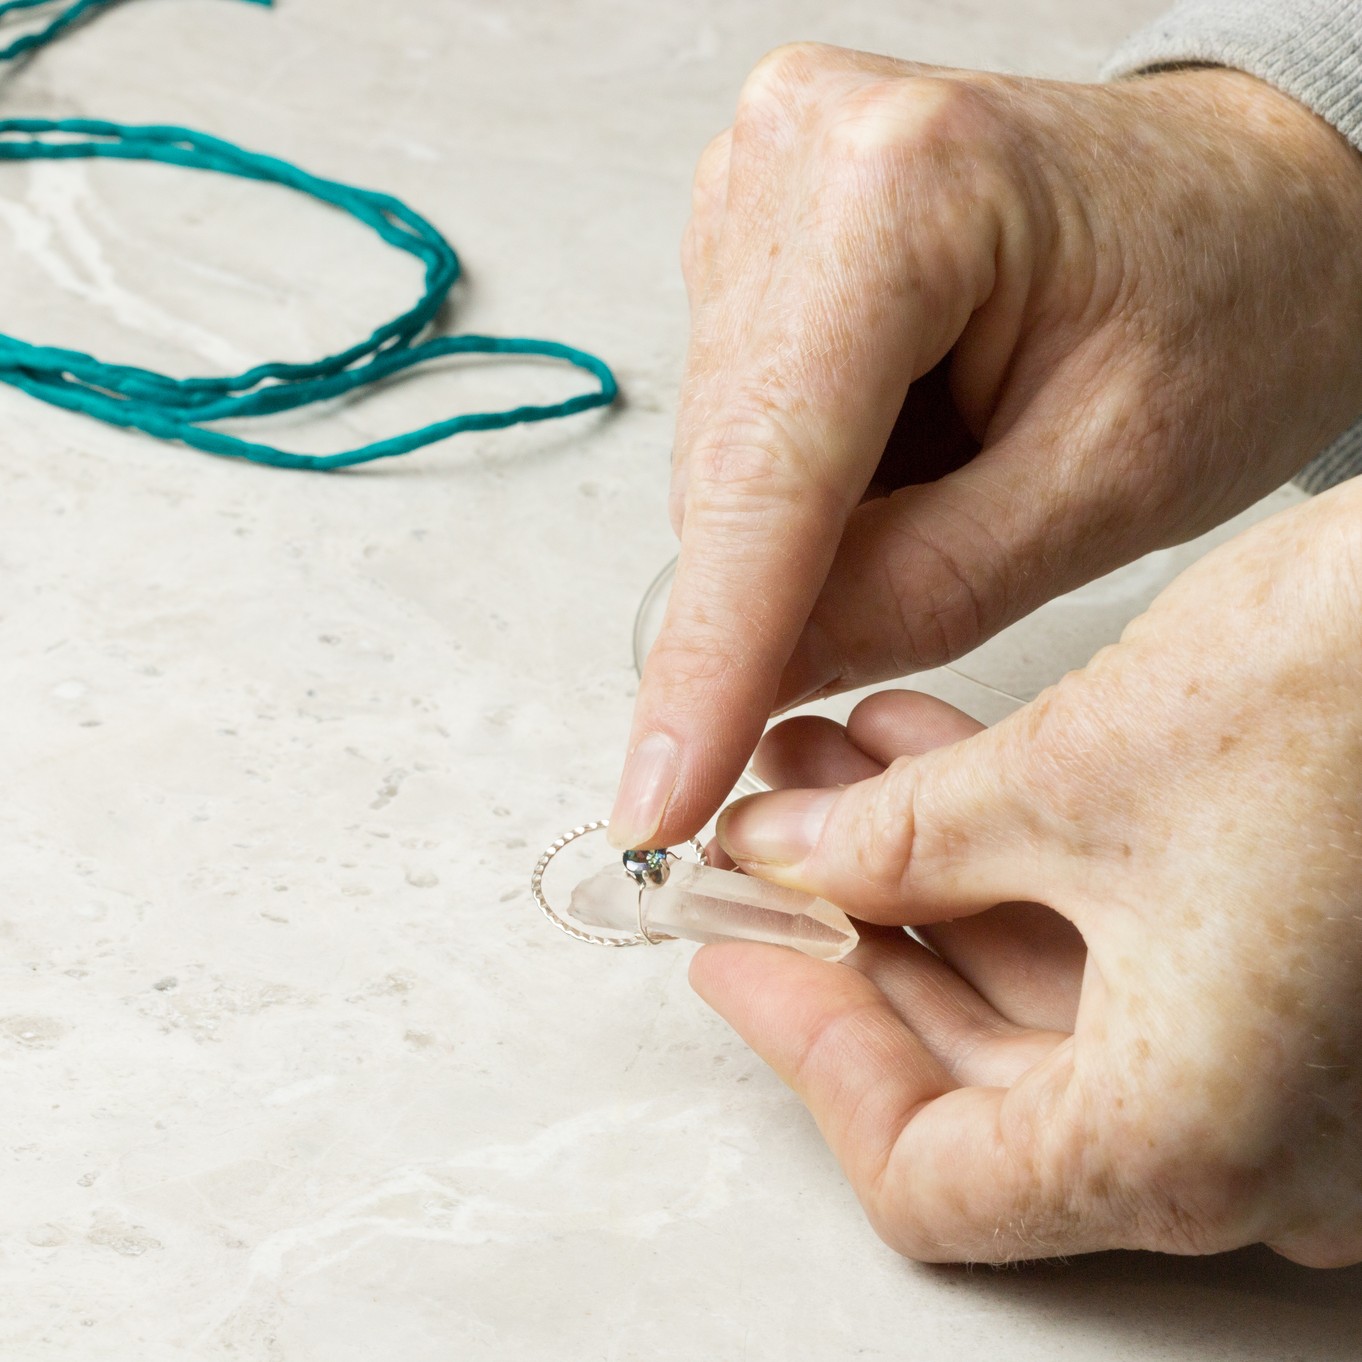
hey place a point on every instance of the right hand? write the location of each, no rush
(1141, 304)
(1190, 807)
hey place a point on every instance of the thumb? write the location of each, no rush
(936, 836)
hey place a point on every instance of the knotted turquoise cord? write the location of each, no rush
(182, 409)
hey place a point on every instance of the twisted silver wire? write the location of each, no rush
(639, 938)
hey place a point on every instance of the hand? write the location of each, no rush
(1125, 312)
(1189, 808)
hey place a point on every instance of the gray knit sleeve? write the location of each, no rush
(1309, 49)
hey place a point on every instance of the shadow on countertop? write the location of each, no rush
(1234, 1307)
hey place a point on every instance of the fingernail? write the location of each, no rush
(813, 666)
(775, 829)
(649, 778)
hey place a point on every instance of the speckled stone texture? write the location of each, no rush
(292, 1069)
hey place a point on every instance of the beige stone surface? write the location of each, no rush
(292, 1071)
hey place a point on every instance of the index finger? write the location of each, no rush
(803, 353)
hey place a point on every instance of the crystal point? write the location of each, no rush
(701, 903)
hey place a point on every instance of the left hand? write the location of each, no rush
(1167, 1056)
(1069, 323)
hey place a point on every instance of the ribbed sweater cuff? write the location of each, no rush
(1309, 49)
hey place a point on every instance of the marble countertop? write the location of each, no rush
(292, 1069)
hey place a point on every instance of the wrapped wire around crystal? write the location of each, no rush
(570, 928)
(655, 896)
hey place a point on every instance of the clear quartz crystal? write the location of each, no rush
(701, 903)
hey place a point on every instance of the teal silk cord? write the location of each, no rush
(183, 409)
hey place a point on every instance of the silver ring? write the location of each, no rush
(641, 938)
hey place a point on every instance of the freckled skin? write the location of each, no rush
(959, 343)
(1201, 1088)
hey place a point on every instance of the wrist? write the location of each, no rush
(1308, 174)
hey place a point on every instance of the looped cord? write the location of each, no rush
(183, 409)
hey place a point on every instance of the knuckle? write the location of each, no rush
(738, 464)
(919, 117)
(755, 461)
(884, 835)
(891, 841)
(781, 77)
(869, 121)
(744, 499)
(711, 173)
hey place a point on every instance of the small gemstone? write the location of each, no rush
(647, 866)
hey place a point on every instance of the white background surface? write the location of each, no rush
(291, 1069)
